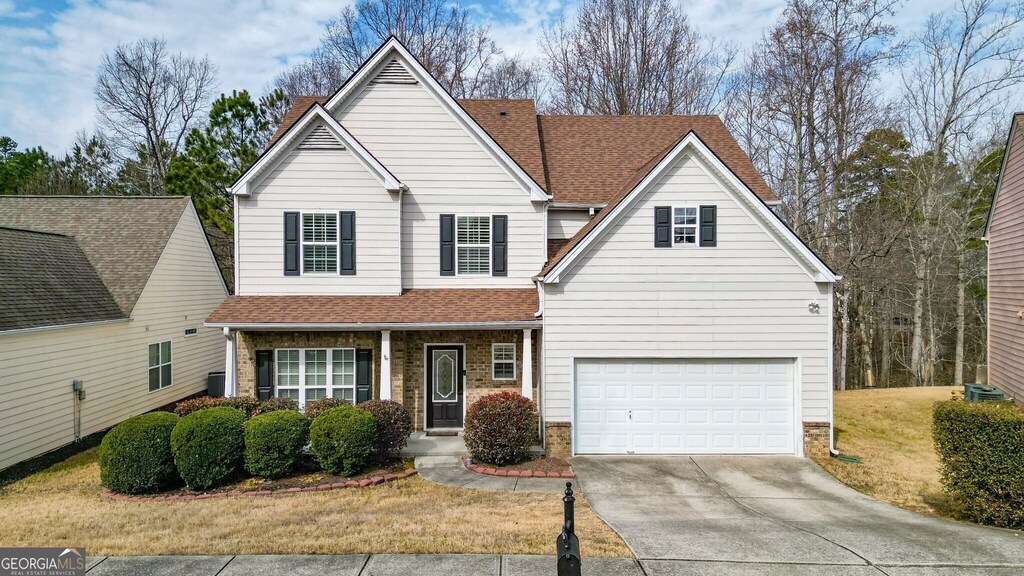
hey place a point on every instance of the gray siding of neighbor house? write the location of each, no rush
(1006, 272)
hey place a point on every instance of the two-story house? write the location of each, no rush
(626, 273)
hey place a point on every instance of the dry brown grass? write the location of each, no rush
(890, 431)
(62, 505)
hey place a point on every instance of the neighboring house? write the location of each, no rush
(1005, 236)
(624, 272)
(108, 291)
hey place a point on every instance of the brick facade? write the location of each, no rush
(408, 350)
(816, 443)
(558, 439)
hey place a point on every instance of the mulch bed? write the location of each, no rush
(308, 478)
(534, 468)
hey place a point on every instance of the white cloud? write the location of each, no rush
(49, 71)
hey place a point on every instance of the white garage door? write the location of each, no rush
(626, 406)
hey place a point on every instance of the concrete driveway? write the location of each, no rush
(775, 515)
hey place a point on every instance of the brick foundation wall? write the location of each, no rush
(816, 444)
(557, 439)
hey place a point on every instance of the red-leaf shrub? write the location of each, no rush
(247, 404)
(394, 424)
(318, 407)
(500, 428)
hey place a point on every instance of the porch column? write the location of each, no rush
(385, 365)
(230, 375)
(527, 375)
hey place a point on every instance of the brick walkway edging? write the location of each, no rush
(375, 480)
(515, 473)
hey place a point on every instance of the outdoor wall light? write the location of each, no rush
(814, 307)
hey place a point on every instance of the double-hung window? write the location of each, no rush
(503, 361)
(473, 244)
(684, 225)
(309, 374)
(159, 365)
(320, 242)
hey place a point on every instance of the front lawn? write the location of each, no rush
(890, 430)
(62, 505)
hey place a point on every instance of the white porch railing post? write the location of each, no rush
(527, 374)
(385, 365)
(230, 373)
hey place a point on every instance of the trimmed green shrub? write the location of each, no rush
(343, 439)
(274, 442)
(394, 425)
(135, 456)
(208, 446)
(500, 428)
(318, 407)
(247, 404)
(981, 454)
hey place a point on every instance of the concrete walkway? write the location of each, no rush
(351, 565)
(450, 470)
(761, 516)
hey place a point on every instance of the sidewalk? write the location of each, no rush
(450, 470)
(351, 565)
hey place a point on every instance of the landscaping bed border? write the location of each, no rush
(365, 482)
(488, 471)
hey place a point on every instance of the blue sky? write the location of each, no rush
(50, 49)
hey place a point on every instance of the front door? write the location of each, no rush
(444, 386)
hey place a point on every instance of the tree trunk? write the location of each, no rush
(958, 370)
(865, 345)
(886, 328)
(917, 341)
(844, 311)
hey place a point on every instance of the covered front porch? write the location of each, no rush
(435, 373)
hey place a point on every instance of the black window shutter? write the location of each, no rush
(264, 374)
(447, 245)
(499, 245)
(708, 226)
(364, 375)
(662, 226)
(291, 243)
(347, 241)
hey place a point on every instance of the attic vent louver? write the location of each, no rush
(321, 139)
(393, 73)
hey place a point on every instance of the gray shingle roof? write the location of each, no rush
(46, 280)
(122, 237)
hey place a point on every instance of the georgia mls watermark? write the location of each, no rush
(42, 561)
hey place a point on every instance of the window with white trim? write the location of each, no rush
(473, 244)
(684, 225)
(503, 361)
(308, 374)
(320, 242)
(159, 365)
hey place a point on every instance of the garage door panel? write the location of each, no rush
(684, 406)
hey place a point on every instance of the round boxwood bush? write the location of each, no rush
(135, 456)
(208, 446)
(500, 428)
(274, 442)
(343, 439)
(318, 407)
(394, 424)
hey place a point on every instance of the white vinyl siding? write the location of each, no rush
(746, 299)
(318, 181)
(446, 170)
(563, 224)
(112, 360)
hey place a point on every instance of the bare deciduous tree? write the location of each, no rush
(634, 57)
(966, 63)
(147, 97)
(454, 48)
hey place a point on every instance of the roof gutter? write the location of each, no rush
(62, 326)
(365, 327)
